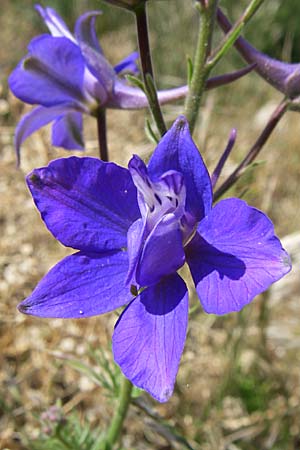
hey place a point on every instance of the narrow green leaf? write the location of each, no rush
(150, 133)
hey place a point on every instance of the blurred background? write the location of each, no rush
(238, 386)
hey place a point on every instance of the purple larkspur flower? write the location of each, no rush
(67, 75)
(137, 227)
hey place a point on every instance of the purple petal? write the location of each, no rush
(85, 30)
(235, 257)
(100, 68)
(129, 97)
(67, 132)
(36, 119)
(162, 253)
(128, 64)
(149, 337)
(135, 240)
(44, 76)
(177, 151)
(81, 285)
(54, 22)
(86, 204)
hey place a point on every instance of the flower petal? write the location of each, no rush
(128, 64)
(100, 68)
(43, 77)
(129, 97)
(235, 257)
(162, 253)
(135, 240)
(177, 151)
(67, 132)
(54, 22)
(35, 119)
(81, 285)
(149, 337)
(86, 204)
(85, 30)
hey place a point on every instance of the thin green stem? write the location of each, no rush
(200, 69)
(230, 38)
(102, 134)
(147, 69)
(115, 428)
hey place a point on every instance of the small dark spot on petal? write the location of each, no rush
(35, 179)
(158, 198)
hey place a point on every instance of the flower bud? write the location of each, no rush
(285, 77)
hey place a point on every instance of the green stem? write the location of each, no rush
(200, 69)
(147, 70)
(234, 33)
(120, 414)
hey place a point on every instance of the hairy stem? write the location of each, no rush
(115, 428)
(255, 149)
(230, 38)
(102, 134)
(147, 69)
(200, 69)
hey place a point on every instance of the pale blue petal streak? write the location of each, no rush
(81, 285)
(149, 337)
(177, 151)
(54, 22)
(235, 257)
(86, 204)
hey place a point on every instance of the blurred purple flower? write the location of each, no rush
(137, 227)
(67, 75)
(283, 76)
